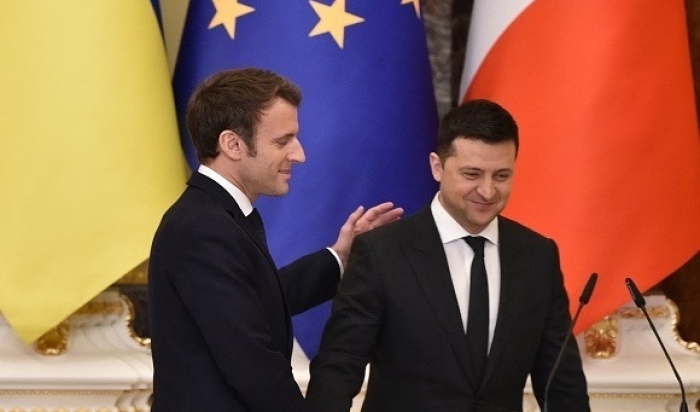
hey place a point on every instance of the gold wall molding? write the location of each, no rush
(654, 311)
(60, 392)
(55, 342)
(136, 276)
(691, 346)
(75, 392)
(131, 315)
(61, 409)
(101, 308)
(601, 338)
(638, 396)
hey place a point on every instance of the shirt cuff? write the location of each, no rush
(337, 258)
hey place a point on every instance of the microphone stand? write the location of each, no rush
(583, 300)
(641, 304)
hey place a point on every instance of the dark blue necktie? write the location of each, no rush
(256, 223)
(478, 321)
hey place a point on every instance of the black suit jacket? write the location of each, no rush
(220, 309)
(396, 309)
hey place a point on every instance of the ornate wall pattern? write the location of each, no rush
(683, 286)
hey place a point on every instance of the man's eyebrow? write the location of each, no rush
(285, 137)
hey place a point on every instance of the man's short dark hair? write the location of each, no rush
(234, 100)
(479, 119)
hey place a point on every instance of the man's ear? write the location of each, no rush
(435, 166)
(231, 145)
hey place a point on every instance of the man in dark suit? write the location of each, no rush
(219, 308)
(456, 305)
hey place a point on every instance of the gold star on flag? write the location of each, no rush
(227, 11)
(333, 19)
(416, 5)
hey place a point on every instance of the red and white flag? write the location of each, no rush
(609, 164)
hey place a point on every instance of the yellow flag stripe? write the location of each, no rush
(89, 152)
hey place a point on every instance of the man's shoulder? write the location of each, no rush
(191, 201)
(195, 210)
(404, 228)
(520, 233)
(507, 224)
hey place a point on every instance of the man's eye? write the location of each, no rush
(471, 175)
(502, 177)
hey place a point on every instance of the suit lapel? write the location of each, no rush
(220, 194)
(427, 258)
(511, 278)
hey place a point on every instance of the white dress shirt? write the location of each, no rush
(241, 199)
(459, 260)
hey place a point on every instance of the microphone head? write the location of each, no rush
(635, 293)
(588, 289)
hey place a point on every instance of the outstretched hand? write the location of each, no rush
(361, 221)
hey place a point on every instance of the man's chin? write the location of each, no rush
(279, 192)
(483, 221)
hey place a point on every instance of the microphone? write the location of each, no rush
(641, 304)
(583, 300)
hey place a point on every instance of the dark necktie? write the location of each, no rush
(256, 224)
(478, 321)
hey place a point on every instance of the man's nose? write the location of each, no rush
(297, 153)
(486, 188)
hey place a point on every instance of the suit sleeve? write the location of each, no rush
(350, 337)
(568, 390)
(310, 281)
(216, 273)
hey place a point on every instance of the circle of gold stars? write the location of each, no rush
(333, 19)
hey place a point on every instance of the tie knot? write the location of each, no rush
(254, 216)
(476, 243)
(256, 224)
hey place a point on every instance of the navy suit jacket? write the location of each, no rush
(220, 310)
(396, 309)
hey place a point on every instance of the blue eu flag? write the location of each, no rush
(368, 119)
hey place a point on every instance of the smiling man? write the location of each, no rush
(220, 310)
(456, 305)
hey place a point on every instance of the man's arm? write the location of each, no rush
(350, 337)
(310, 281)
(313, 279)
(568, 390)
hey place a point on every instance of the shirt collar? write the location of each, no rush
(451, 231)
(238, 196)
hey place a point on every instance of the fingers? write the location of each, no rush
(387, 216)
(355, 216)
(377, 216)
(377, 212)
(352, 221)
